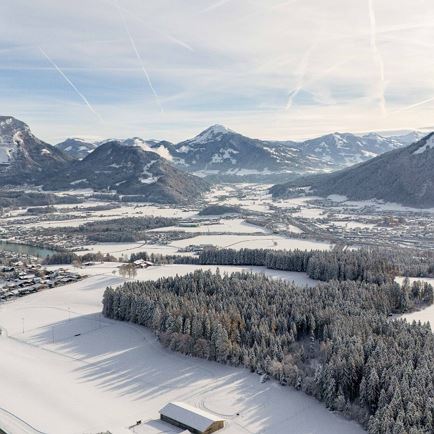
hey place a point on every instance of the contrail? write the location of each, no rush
(412, 106)
(179, 42)
(169, 36)
(142, 64)
(377, 55)
(215, 5)
(72, 85)
(328, 70)
(283, 4)
(302, 72)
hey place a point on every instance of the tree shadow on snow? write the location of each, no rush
(127, 359)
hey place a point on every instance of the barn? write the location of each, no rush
(187, 417)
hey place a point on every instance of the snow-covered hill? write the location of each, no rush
(340, 150)
(22, 155)
(71, 371)
(77, 148)
(404, 176)
(130, 169)
(409, 137)
(163, 148)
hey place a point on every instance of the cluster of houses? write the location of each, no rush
(19, 279)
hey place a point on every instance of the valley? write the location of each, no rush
(216, 217)
(299, 222)
(122, 214)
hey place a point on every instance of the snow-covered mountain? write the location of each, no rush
(222, 152)
(77, 148)
(133, 167)
(403, 175)
(340, 150)
(128, 169)
(219, 150)
(409, 137)
(163, 148)
(23, 157)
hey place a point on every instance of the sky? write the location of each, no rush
(168, 69)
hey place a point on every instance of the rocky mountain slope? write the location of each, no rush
(23, 157)
(403, 175)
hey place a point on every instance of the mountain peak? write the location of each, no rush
(9, 125)
(76, 147)
(218, 129)
(212, 132)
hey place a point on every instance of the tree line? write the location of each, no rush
(66, 257)
(335, 341)
(368, 265)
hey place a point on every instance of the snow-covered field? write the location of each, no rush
(226, 225)
(81, 217)
(253, 242)
(424, 315)
(250, 241)
(156, 272)
(66, 369)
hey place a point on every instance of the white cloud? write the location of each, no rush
(234, 64)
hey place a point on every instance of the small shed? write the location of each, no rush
(193, 419)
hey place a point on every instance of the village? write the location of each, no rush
(25, 275)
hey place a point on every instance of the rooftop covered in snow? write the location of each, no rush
(189, 416)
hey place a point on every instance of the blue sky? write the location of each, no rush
(278, 69)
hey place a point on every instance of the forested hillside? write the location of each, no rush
(334, 341)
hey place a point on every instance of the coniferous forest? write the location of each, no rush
(336, 342)
(370, 265)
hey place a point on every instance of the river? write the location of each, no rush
(25, 249)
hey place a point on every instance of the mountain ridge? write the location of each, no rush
(403, 175)
(130, 169)
(220, 151)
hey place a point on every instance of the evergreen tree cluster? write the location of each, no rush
(125, 229)
(70, 257)
(368, 265)
(334, 341)
(60, 258)
(156, 258)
